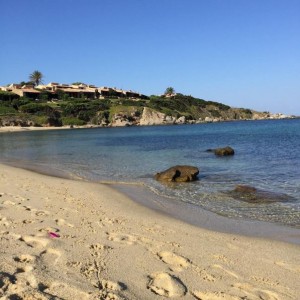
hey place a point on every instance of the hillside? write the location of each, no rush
(110, 111)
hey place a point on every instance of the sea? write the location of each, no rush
(267, 157)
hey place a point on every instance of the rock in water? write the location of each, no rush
(252, 195)
(178, 174)
(224, 151)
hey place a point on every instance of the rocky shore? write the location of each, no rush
(152, 117)
(149, 117)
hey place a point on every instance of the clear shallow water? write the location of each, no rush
(267, 157)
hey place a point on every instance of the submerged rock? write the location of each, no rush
(226, 151)
(252, 195)
(178, 174)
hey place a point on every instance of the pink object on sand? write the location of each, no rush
(53, 235)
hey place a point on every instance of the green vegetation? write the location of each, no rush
(7, 96)
(169, 90)
(81, 111)
(4, 110)
(185, 106)
(72, 121)
(36, 108)
(246, 111)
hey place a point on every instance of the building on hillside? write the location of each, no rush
(73, 91)
(22, 91)
(104, 91)
(170, 95)
(87, 91)
(131, 94)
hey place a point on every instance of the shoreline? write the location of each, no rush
(6, 129)
(185, 212)
(68, 239)
(197, 216)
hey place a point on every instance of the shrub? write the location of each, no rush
(86, 115)
(215, 113)
(247, 111)
(4, 110)
(40, 120)
(16, 103)
(72, 121)
(34, 108)
(8, 96)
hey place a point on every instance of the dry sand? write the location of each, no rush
(4, 129)
(29, 128)
(65, 239)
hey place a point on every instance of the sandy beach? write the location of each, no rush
(5, 129)
(66, 239)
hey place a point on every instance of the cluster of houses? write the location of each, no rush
(53, 89)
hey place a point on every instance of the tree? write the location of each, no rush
(170, 91)
(36, 77)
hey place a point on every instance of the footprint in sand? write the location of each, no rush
(265, 281)
(129, 239)
(222, 258)
(19, 284)
(37, 212)
(28, 221)
(8, 202)
(96, 250)
(99, 247)
(4, 221)
(214, 296)
(110, 290)
(113, 286)
(62, 222)
(122, 238)
(25, 258)
(34, 241)
(74, 264)
(226, 271)
(24, 277)
(204, 274)
(107, 221)
(49, 229)
(290, 267)
(10, 235)
(176, 262)
(255, 293)
(42, 213)
(50, 256)
(64, 291)
(166, 285)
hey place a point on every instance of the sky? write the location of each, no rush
(243, 53)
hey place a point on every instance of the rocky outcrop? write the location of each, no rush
(226, 151)
(181, 120)
(124, 119)
(178, 174)
(153, 117)
(252, 195)
(11, 121)
(119, 120)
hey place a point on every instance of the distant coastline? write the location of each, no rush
(13, 128)
(79, 105)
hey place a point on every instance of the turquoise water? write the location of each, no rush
(267, 157)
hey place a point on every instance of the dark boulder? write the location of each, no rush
(252, 195)
(222, 151)
(178, 174)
